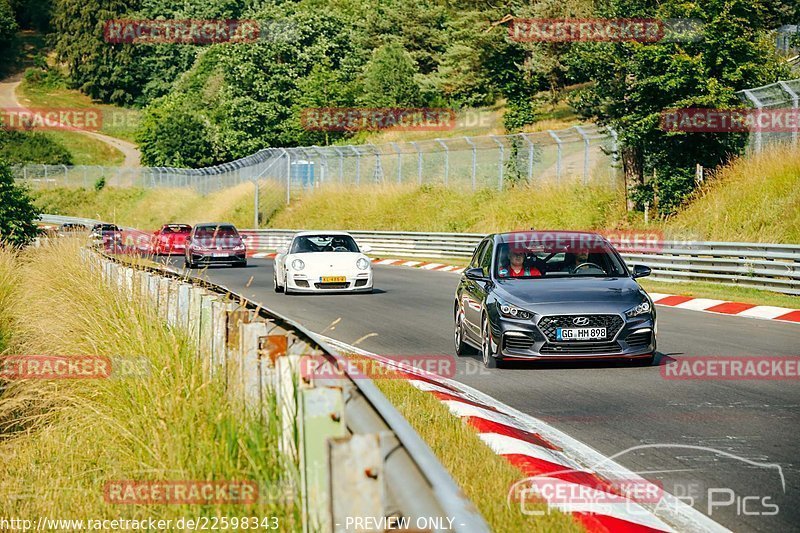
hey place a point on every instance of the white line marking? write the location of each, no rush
(699, 304)
(765, 311)
(431, 266)
(412, 263)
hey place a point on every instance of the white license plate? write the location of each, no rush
(219, 255)
(580, 334)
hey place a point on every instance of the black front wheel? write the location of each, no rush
(487, 351)
(462, 348)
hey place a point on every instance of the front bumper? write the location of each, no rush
(532, 340)
(218, 257)
(360, 281)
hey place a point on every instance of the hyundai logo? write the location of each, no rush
(581, 321)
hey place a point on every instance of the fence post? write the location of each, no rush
(795, 97)
(499, 162)
(288, 175)
(750, 96)
(358, 164)
(399, 162)
(530, 156)
(255, 205)
(419, 162)
(474, 160)
(446, 160)
(585, 137)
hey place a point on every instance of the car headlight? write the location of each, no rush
(511, 311)
(362, 264)
(298, 264)
(641, 309)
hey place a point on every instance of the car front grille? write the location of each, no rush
(517, 342)
(639, 340)
(549, 324)
(332, 286)
(582, 348)
(361, 282)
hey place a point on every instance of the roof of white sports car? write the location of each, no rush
(320, 232)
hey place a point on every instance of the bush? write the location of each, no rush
(24, 147)
(17, 214)
(100, 184)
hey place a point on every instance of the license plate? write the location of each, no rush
(219, 255)
(580, 334)
(333, 279)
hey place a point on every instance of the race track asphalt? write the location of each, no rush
(611, 407)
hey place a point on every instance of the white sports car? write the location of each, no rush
(322, 261)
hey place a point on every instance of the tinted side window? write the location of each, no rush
(486, 259)
(476, 258)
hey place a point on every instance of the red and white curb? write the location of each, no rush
(720, 307)
(540, 450)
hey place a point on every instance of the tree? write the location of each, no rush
(389, 78)
(636, 82)
(17, 214)
(8, 26)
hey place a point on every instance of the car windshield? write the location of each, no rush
(209, 232)
(106, 227)
(176, 228)
(514, 262)
(323, 243)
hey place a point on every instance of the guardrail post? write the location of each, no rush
(322, 413)
(248, 367)
(286, 391)
(219, 336)
(184, 293)
(163, 298)
(196, 296)
(356, 479)
(206, 334)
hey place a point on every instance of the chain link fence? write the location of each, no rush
(781, 95)
(583, 153)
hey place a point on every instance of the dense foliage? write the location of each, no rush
(206, 104)
(17, 214)
(22, 147)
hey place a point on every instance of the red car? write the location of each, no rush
(171, 239)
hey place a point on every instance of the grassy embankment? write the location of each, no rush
(63, 440)
(150, 208)
(755, 199)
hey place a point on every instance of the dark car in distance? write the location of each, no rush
(528, 296)
(215, 243)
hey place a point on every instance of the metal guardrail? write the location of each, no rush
(338, 454)
(774, 267)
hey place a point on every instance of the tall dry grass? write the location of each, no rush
(755, 198)
(62, 440)
(436, 208)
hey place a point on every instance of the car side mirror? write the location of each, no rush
(640, 271)
(475, 274)
(283, 250)
(365, 248)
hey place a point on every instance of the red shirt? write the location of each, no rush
(532, 271)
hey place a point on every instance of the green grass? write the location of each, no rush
(436, 208)
(118, 122)
(150, 208)
(63, 440)
(86, 150)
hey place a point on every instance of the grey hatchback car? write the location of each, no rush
(529, 296)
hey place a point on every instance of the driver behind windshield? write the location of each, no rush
(517, 268)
